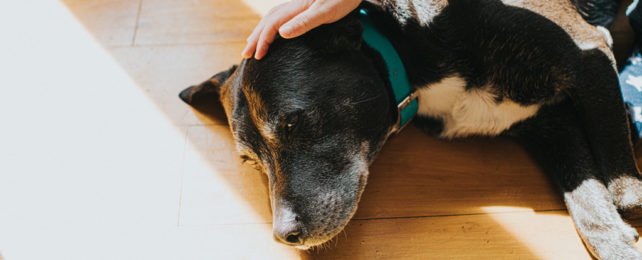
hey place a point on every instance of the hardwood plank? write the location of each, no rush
(111, 22)
(236, 241)
(217, 188)
(163, 71)
(523, 235)
(187, 22)
(415, 175)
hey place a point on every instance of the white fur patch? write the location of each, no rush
(470, 112)
(599, 224)
(626, 192)
(607, 35)
(437, 100)
(587, 45)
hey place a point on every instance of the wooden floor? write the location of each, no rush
(101, 160)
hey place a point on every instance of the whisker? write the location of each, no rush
(364, 100)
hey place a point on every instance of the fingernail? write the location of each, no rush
(285, 30)
(246, 52)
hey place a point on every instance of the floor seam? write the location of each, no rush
(404, 217)
(140, 10)
(223, 42)
(181, 178)
(455, 215)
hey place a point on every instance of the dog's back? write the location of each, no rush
(565, 14)
(562, 12)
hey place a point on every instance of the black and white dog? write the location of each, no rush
(317, 109)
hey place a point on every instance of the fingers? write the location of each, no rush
(302, 23)
(293, 19)
(252, 41)
(264, 34)
(320, 12)
(266, 38)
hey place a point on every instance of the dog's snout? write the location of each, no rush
(289, 232)
(287, 227)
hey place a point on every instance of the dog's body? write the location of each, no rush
(470, 88)
(316, 111)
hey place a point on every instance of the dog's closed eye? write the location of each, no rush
(291, 121)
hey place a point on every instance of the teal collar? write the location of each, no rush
(405, 97)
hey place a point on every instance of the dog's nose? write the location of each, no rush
(289, 232)
(287, 226)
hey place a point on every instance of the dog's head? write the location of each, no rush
(313, 114)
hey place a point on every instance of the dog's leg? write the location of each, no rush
(603, 116)
(557, 142)
(598, 12)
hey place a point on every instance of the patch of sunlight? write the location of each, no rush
(263, 6)
(90, 167)
(547, 235)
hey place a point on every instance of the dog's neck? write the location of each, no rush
(414, 36)
(415, 44)
(404, 94)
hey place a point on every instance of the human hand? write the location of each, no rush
(293, 19)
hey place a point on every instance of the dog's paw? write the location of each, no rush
(607, 250)
(626, 192)
(598, 222)
(610, 241)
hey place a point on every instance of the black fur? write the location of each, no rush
(483, 41)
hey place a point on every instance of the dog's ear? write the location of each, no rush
(208, 89)
(340, 35)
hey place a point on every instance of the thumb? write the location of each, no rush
(301, 24)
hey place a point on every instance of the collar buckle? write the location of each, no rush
(407, 101)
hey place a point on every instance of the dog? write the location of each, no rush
(315, 112)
